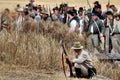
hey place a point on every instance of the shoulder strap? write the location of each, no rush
(96, 26)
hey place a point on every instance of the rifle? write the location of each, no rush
(67, 61)
(50, 12)
(108, 4)
(89, 3)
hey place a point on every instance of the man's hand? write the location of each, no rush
(66, 57)
(101, 35)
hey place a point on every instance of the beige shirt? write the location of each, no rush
(83, 61)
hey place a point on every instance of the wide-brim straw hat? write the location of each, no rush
(117, 15)
(77, 45)
(20, 9)
(44, 12)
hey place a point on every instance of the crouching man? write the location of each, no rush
(82, 62)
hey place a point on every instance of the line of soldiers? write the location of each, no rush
(92, 21)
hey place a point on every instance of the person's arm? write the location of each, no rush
(80, 59)
(102, 28)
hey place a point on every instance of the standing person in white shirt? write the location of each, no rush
(20, 18)
(72, 23)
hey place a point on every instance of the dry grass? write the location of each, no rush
(38, 51)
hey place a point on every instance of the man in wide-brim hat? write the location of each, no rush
(82, 62)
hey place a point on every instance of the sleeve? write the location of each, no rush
(80, 59)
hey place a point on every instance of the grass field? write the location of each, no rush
(31, 56)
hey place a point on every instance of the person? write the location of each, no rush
(98, 11)
(31, 3)
(37, 14)
(6, 20)
(17, 7)
(114, 9)
(20, 18)
(56, 14)
(63, 12)
(115, 34)
(26, 23)
(72, 22)
(82, 62)
(96, 3)
(80, 13)
(109, 22)
(45, 16)
(95, 33)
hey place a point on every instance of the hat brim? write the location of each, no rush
(77, 48)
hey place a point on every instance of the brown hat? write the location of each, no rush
(44, 12)
(117, 15)
(32, 0)
(77, 45)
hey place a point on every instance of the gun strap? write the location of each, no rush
(97, 26)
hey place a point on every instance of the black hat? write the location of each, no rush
(55, 8)
(80, 9)
(109, 13)
(96, 2)
(71, 12)
(65, 5)
(74, 11)
(97, 6)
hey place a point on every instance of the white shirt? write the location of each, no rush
(19, 22)
(91, 30)
(73, 25)
(81, 26)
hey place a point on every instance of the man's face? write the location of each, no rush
(56, 12)
(109, 16)
(97, 9)
(117, 18)
(94, 17)
(44, 15)
(77, 50)
(80, 13)
(68, 15)
(64, 8)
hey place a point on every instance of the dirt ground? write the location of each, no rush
(13, 72)
(26, 74)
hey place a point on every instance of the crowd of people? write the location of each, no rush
(92, 21)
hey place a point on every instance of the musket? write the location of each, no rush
(89, 3)
(50, 13)
(67, 61)
(108, 4)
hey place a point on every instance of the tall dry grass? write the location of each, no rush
(42, 50)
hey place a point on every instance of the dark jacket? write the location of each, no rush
(95, 28)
